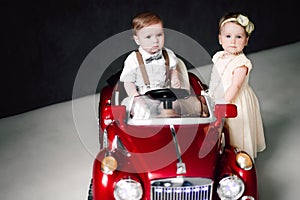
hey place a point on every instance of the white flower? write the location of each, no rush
(249, 28)
(245, 22)
(242, 20)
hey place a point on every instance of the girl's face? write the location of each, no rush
(233, 38)
(150, 38)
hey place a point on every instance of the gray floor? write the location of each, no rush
(48, 153)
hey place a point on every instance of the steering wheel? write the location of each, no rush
(168, 95)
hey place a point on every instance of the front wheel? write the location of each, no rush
(90, 193)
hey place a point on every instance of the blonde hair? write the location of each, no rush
(145, 19)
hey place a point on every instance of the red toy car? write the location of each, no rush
(171, 156)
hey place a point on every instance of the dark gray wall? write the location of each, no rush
(44, 44)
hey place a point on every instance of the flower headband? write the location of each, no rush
(243, 21)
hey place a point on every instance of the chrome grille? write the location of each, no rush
(182, 189)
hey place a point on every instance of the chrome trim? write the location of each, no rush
(247, 198)
(221, 143)
(105, 139)
(182, 188)
(175, 121)
(117, 144)
(237, 149)
(181, 169)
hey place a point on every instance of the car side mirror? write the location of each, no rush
(111, 114)
(224, 111)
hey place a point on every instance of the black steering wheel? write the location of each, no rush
(168, 95)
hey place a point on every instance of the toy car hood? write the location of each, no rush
(171, 151)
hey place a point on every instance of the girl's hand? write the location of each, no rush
(239, 76)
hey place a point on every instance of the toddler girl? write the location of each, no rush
(229, 83)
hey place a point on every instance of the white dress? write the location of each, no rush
(246, 130)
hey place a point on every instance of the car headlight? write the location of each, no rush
(244, 161)
(108, 165)
(230, 187)
(128, 189)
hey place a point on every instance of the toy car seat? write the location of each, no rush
(183, 75)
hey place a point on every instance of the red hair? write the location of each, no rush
(145, 19)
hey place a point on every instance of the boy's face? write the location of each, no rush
(150, 38)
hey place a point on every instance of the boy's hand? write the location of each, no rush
(140, 109)
(175, 82)
(143, 108)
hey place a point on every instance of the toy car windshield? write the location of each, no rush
(168, 104)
